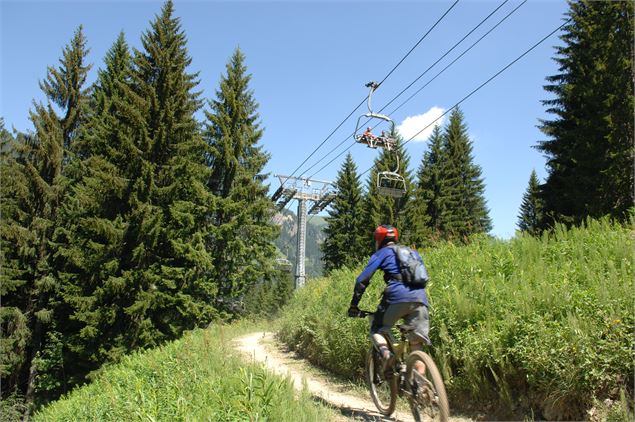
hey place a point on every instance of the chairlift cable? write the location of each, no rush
(324, 141)
(418, 42)
(453, 61)
(419, 77)
(364, 100)
(483, 84)
(464, 98)
(497, 74)
(451, 49)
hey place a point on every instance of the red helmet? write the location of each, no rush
(384, 234)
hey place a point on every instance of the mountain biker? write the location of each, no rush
(398, 300)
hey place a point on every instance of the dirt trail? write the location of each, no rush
(260, 346)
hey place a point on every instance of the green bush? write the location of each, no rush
(534, 326)
(195, 378)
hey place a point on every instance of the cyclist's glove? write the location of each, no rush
(353, 311)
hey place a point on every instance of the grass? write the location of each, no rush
(535, 327)
(526, 328)
(197, 378)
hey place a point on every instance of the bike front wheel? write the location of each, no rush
(382, 386)
(428, 399)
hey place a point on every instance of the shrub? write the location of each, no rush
(536, 326)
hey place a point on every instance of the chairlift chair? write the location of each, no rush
(283, 264)
(391, 183)
(382, 141)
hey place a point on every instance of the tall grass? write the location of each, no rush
(197, 378)
(530, 326)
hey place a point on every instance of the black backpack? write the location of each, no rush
(413, 272)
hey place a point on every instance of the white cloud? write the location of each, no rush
(413, 124)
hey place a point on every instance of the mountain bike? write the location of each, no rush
(425, 392)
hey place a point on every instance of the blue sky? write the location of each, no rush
(309, 62)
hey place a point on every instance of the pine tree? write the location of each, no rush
(93, 224)
(241, 241)
(382, 209)
(167, 266)
(16, 335)
(15, 240)
(531, 207)
(424, 211)
(30, 206)
(6, 141)
(590, 149)
(283, 288)
(104, 133)
(345, 233)
(136, 269)
(463, 209)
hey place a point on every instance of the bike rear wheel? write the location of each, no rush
(428, 399)
(382, 386)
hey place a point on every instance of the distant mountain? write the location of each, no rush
(287, 241)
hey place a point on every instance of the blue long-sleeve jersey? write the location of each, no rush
(396, 291)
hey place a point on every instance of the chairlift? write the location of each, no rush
(283, 264)
(391, 183)
(382, 141)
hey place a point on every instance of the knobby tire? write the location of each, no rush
(383, 390)
(438, 408)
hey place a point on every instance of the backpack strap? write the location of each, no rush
(390, 276)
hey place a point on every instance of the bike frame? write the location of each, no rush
(425, 394)
(401, 348)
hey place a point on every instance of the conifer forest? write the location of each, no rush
(137, 209)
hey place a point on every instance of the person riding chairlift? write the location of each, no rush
(368, 135)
